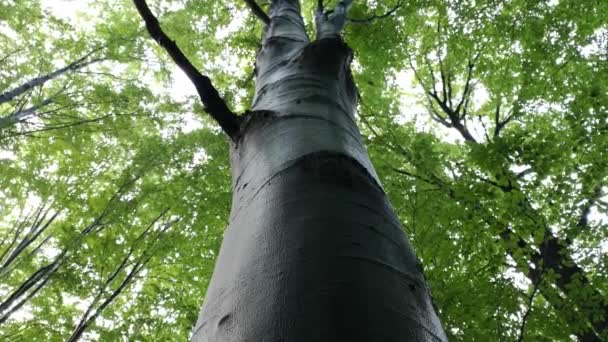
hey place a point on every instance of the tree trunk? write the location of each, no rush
(313, 250)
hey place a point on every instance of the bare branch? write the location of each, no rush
(7, 56)
(433, 78)
(38, 81)
(92, 312)
(522, 328)
(36, 229)
(467, 88)
(258, 11)
(485, 129)
(436, 116)
(23, 114)
(443, 80)
(524, 173)
(449, 96)
(36, 281)
(497, 124)
(376, 17)
(214, 104)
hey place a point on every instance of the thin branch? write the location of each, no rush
(524, 173)
(503, 123)
(258, 11)
(92, 312)
(3, 59)
(79, 64)
(449, 96)
(60, 126)
(467, 87)
(522, 328)
(23, 114)
(36, 230)
(214, 104)
(433, 78)
(376, 17)
(497, 124)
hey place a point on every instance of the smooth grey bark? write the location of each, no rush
(313, 250)
(39, 81)
(23, 114)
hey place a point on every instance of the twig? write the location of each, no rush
(375, 17)
(522, 328)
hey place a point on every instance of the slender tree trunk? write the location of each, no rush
(314, 250)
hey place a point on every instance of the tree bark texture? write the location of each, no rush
(313, 250)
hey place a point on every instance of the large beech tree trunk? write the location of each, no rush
(314, 250)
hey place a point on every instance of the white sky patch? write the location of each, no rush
(72, 11)
(7, 31)
(199, 157)
(181, 86)
(191, 123)
(600, 36)
(235, 25)
(7, 155)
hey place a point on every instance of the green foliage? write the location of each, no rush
(125, 141)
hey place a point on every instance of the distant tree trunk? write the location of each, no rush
(313, 250)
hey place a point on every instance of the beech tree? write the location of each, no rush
(184, 126)
(312, 240)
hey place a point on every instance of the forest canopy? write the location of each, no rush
(486, 120)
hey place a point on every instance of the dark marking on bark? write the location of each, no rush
(250, 119)
(223, 320)
(330, 167)
(332, 55)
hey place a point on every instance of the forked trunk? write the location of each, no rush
(314, 250)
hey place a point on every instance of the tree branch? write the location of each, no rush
(258, 11)
(522, 328)
(376, 17)
(467, 88)
(214, 104)
(79, 64)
